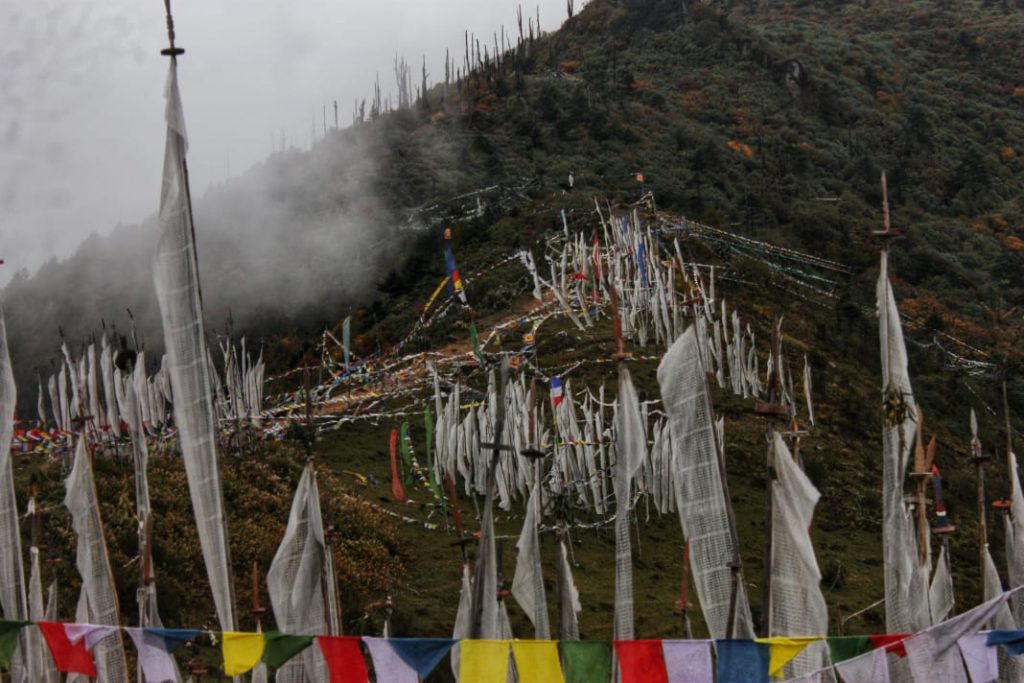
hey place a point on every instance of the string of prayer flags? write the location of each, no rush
(9, 632)
(241, 651)
(537, 661)
(280, 647)
(783, 650)
(155, 646)
(345, 662)
(688, 661)
(69, 657)
(742, 661)
(841, 648)
(585, 661)
(483, 661)
(640, 661)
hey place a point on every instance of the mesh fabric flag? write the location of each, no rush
(586, 661)
(67, 656)
(640, 661)
(281, 647)
(742, 661)
(842, 648)
(688, 661)
(483, 661)
(9, 631)
(537, 661)
(242, 651)
(344, 657)
(783, 650)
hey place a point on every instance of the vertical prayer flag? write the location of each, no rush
(67, 656)
(742, 661)
(344, 659)
(537, 661)
(280, 647)
(556, 391)
(346, 339)
(405, 443)
(688, 661)
(397, 490)
(241, 651)
(586, 660)
(483, 661)
(783, 650)
(428, 425)
(640, 661)
(475, 339)
(9, 631)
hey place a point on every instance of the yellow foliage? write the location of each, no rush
(743, 149)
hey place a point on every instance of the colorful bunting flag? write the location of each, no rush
(586, 660)
(422, 654)
(387, 665)
(345, 661)
(871, 667)
(556, 391)
(67, 656)
(537, 661)
(155, 647)
(688, 661)
(9, 631)
(982, 661)
(742, 661)
(242, 651)
(280, 647)
(1011, 640)
(483, 661)
(640, 661)
(890, 642)
(783, 650)
(841, 648)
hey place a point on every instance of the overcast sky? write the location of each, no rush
(81, 94)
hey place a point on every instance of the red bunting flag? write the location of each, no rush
(891, 642)
(69, 657)
(641, 661)
(344, 658)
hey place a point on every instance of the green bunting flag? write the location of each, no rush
(283, 646)
(586, 660)
(9, 631)
(842, 648)
(476, 342)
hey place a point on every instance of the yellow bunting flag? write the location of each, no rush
(483, 661)
(537, 661)
(783, 650)
(242, 651)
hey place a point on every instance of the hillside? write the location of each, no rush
(770, 121)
